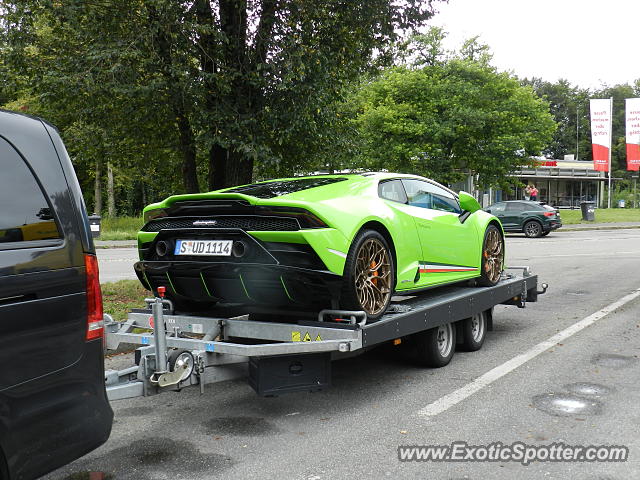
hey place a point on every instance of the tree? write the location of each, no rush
(568, 104)
(445, 121)
(228, 85)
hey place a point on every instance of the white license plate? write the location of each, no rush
(204, 247)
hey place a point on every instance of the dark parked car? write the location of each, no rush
(534, 219)
(52, 395)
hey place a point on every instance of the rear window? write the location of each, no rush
(278, 188)
(25, 214)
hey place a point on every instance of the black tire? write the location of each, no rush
(492, 261)
(532, 229)
(544, 234)
(351, 297)
(434, 347)
(473, 331)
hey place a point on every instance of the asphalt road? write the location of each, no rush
(116, 263)
(378, 402)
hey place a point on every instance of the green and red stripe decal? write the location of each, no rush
(430, 267)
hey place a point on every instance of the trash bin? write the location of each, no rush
(94, 225)
(588, 211)
(621, 203)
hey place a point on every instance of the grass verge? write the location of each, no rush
(120, 297)
(120, 228)
(603, 215)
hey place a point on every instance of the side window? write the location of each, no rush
(25, 214)
(392, 190)
(516, 207)
(427, 195)
(498, 208)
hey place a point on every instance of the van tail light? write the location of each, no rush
(549, 214)
(95, 322)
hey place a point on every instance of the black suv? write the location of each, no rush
(534, 219)
(53, 403)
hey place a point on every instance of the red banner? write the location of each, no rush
(600, 157)
(633, 133)
(601, 133)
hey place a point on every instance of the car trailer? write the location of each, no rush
(288, 353)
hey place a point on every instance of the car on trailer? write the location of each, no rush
(349, 241)
(52, 391)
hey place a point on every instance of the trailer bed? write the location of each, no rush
(285, 353)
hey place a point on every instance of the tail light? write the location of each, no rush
(95, 322)
(549, 214)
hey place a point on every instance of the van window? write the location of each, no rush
(25, 214)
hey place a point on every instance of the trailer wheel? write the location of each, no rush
(474, 331)
(435, 347)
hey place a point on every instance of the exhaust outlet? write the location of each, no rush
(239, 249)
(162, 248)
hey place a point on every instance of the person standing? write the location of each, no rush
(534, 193)
(527, 192)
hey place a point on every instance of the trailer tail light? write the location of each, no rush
(95, 322)
(549, 214)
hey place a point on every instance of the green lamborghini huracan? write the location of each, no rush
(326, 241)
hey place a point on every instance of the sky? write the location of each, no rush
(590, 43)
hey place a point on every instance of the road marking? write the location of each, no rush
(613, 254)
(446, 402)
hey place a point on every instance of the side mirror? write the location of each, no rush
(468, 203)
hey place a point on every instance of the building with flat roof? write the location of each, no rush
(560, 183)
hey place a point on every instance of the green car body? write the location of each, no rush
(430, 246)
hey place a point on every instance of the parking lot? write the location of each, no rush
(582, 390)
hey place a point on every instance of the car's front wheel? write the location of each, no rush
(369, 275)
(492, 257)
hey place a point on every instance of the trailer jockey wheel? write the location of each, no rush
(434, 347)
(473, 331)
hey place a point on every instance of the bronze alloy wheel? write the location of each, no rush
(493, 253)
(373, 276)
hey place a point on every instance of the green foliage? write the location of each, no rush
(120, 228)
(446, 120)
(568, 104)
(178, 95)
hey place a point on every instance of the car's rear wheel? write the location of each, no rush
(492, 257)
(369, 275)
(532, 229)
